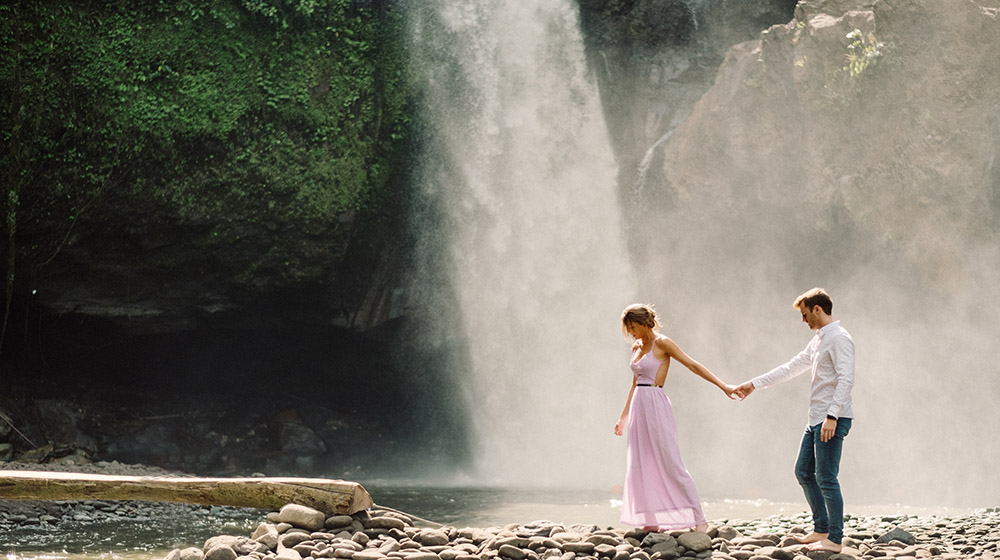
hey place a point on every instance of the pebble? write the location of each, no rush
(381, 535)
(300, 533)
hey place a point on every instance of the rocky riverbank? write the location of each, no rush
(297, 533)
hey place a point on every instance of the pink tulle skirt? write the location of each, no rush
(659, 492)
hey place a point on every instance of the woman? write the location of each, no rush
(659, 492)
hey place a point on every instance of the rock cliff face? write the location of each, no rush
(653, 60)
(861, 131)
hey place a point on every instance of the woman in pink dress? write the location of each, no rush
(659, 492)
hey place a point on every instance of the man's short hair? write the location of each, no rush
(814, 297)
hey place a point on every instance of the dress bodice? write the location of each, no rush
(646, 367)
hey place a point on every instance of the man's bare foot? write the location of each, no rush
(826, 544)
(811, 537)
(701, 528)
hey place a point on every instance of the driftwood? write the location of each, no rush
(326, 495)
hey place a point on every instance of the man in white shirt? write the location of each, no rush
(830, 358)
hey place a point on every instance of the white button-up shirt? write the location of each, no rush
(830, 357)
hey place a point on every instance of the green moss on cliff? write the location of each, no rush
(230, 120)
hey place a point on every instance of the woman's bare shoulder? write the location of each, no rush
(663, 341)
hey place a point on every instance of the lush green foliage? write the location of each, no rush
(228, 114)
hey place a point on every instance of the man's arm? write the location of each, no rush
(798, 365)
(842, 354)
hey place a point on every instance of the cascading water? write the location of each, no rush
(520, 165)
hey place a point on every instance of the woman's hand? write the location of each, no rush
(730, 391)
(620, 426)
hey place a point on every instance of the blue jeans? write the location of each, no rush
(817, 468)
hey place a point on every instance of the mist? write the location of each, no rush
(529, 255)
(521, 166)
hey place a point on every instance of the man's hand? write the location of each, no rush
(828, 430)
(744, 390)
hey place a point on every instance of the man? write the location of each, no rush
(830, 358)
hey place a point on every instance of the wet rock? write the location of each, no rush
(696, 541)
(897, 534)
(295, 438)
(662, 544)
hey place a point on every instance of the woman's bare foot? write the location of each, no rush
(651, 529)
(826, 544)
(701, 528)
(811, 537)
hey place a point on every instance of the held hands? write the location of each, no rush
(744, 390)
(730, 391)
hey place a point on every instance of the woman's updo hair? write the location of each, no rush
(639, 314)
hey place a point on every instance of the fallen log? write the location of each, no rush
(326, 495)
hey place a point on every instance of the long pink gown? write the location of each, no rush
(659, 491)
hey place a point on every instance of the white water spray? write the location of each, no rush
(640, 175)
(521, 161)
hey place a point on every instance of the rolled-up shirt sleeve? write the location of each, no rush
(842, 355)
(798, 365)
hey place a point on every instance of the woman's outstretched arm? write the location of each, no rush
(674, 351)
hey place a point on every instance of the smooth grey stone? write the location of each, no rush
(291, 540)
(433, 537)
(368, 554)
(221, 552)
(727, 532)
(578, 547)
(288, 554)
(512, 552)
(897, 534)
(338, 521)
(190, 553)
(385, 522)
(519, 542)
(302, 516)
(602, 539)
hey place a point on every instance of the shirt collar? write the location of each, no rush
(827, 329)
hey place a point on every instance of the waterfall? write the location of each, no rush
(640, 175)
(519, 163)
